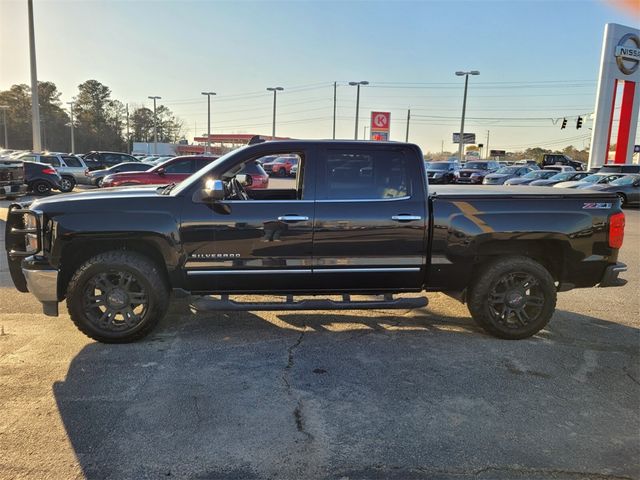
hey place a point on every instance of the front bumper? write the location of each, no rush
(42, 282)
(13, 190)
(610, 277)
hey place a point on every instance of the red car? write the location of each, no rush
(172, 171)
(280, 166)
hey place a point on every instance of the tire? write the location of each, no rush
(117, 297)
(512, 298)
(99, 182)
(67, 184)
(623, 199)
(282, 172)
(41, 187)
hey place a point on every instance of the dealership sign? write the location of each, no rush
(469, 138)
(627, 53)
(380, 124)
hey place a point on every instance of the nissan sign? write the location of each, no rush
(627, 53)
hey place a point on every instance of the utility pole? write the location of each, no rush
(128, 135)
(464, 108)
(487, 146)
(208, 94)
(357, 84)
(406, 137)
(335, 92)
(442, 147)
(73, 142)
(155, 125)
(35, 103)
(275, 90)
(4, 109)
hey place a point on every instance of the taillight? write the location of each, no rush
(48, 171)
(616, 230)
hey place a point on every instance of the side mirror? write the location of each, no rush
(160, 171)
(245, 180)
(213, 191)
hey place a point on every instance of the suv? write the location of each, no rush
(442, 172)
(12, 182)
(100, 160)
(70, 167)
(475, 171)
(561, 159)
(280, 166)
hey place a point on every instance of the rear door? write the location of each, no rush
(371, 219)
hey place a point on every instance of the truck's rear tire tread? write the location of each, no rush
(484, 282)
(144, 268)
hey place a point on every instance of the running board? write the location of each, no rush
(208, 304)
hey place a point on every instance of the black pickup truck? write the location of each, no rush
(359, 219)
(12, 181)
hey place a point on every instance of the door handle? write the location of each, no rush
(293, 218)
(406, 218)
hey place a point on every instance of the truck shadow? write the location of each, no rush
(290, 395)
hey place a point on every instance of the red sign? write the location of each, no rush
(380, 121)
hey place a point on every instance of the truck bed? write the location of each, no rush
(506, 191)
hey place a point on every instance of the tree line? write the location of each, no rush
(535, 153)
(99, 121)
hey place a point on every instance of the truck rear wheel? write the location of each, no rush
(512, 298)
(117, 297)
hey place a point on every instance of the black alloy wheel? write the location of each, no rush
(117, 296)
(513, 297)
(41, 187)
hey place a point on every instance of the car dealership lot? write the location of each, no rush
(377, 394)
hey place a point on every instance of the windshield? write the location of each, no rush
(185, 184)
(508, 170)
(627, 180)
(592, 178)
(537, 174)
(477, 166)
(437, 165)
(562, 176)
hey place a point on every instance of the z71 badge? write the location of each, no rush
(594, 206)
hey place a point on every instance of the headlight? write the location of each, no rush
(31, 239)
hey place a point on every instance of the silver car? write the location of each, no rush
(71, 168)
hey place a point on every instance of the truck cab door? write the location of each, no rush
(258, 245)
(371, 218)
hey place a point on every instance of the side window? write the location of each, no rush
(371, 175)
(181, 166)
(50, 160)
(276, 172)
(72, 162)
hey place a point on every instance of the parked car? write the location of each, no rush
(620, 168)
(280, 166)
(96, 177)
(560, 177)
(561, 159)
(442, 172)
(626, 187)
(171, 171)
(560, 168)
(71, 168)
(594, 179)
(12, 183)
(532, 176)
(99, 160)
(528, 162)
(41, 178)
(505, 173)
(475, 171)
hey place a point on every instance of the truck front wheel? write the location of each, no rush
(512, 298)
(117, 297)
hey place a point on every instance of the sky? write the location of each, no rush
(538, 63)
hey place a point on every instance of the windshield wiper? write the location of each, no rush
(167, 188)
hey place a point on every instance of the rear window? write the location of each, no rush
(72, 162)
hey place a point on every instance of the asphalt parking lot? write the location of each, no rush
(349, 395)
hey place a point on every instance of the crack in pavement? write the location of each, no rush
(298, 411)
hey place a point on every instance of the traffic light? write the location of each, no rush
(564, 124)
(579, 123)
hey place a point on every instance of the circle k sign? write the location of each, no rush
(380, 121)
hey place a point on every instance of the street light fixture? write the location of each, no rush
(358, 84)
(275, 90)
(4, 109)
(208, 94)
(155, 124)
(464, 108)
(73, 143)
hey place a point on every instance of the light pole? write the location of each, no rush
(155, 125)
(73, 143)
(275, 90)
(208, 94)
(4, 109)
(357, 84)
(35, 105)
(464, 108)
